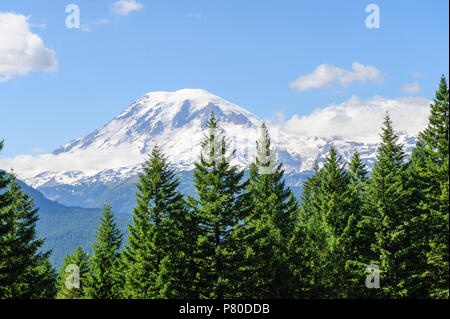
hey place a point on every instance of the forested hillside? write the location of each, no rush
(64, 228)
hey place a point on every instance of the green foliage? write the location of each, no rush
(74, 266)
(24, 270)
(102, 280)
(151, 235)
(268, 228)
(66, 228)
(326, 208)
(389, 206)
(221, 204)
(429, 176)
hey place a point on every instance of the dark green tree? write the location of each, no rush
(24, 270)
(357, 237)
(102, 282)
(73, 275)
(220, 204)
(332, 202)
(44, 278)
(310, 246)
(268, 228)
(391, 211)
(149, 236)
(429, 174)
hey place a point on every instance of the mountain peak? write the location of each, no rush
(157, 115)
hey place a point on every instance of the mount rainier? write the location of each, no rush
(104, 164)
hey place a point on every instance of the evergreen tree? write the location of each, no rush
(44, 278)
(178, 271)
(219, 206)
(149, 241)
(24, 270)
(389, 206)
(309, 248)
(102, 280)
(268, 228)
(73, 275)
(4, 198)
(333, 194)
(332, 202)
(356, 239)
(430, 177)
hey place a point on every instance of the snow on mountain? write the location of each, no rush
(176, 122)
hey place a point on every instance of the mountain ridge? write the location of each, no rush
(176, 121)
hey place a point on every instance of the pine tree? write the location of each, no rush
(148, 242)
(73, 275)
(269, 227)
(4, 198)
(429, 174)
(355, 241)
(333, 203)
(219, 206)
(44, 278)
(389, 206)
(23, 268)
(309, 248)
(333, 194)
(102, 280)
(178, 271)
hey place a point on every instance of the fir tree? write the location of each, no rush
(219, 206)
(269, 227)
(148, 242)
(430, 177)
(4, 198)
(355, 241)
(332, 202)
(389, 206)
(333, 194)
(178, 271)
(309, 248)
(44, 278)
(102, 280)
(73, 275)
(24, 270)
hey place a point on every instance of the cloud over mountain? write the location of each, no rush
(356, 117)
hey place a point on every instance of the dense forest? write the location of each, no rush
(251, 237)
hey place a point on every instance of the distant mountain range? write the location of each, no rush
(104, 164)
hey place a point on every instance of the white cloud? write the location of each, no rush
(358, 118)
(125, 7)
(326, 74)
(89, 161)
(412, 88)
(417, 75)
(21, 51)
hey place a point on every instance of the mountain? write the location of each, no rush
(64, 228)
(104, 164)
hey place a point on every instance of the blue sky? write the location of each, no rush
(247, 52)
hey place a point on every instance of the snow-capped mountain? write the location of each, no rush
(176, 122)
